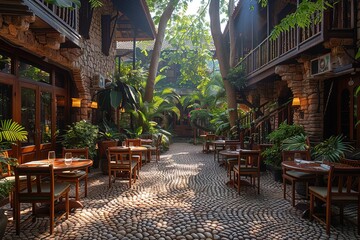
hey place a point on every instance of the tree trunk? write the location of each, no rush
(154, 64)
(223, 56)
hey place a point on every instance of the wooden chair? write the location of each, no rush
(120, 161)
(77, 175)
(248, 166)
(231, 145)
(295, 176)
(40, 192)
(136, 142)
(155, 148)
(209, 138)
(350, 162)
(339, 191)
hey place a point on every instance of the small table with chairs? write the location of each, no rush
(342, 187)
(45, 192)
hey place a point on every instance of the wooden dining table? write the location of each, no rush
(60, 166)
(314, 167)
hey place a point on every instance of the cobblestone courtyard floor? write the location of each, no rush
(183, 196)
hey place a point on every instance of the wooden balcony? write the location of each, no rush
(63, 20)
(270, 52)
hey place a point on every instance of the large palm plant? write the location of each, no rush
(333, 148)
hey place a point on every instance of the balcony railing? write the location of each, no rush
(63, 20)
(270, 50)
(65, 15)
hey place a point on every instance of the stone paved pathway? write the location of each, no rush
(183, 196)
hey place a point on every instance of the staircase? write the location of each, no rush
(256, 125)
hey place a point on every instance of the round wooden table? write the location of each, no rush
(59, 166)
(310, 166)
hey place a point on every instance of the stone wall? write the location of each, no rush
(82, 63)
(310, 93)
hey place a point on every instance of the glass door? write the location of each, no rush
(36, 117)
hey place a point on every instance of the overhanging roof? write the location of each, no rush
(135, 21)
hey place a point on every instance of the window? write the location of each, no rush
(34, 73)
(5, 101)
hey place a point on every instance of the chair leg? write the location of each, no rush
(17, 218)
(258, 180)
(130, 179)
(85, 187)
(284, 187)
(311, 206)
(52, 217)
(77, 190)
(293, 193)
(328, 218)
(67, 207)
(109, 178)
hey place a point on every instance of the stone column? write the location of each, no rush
(309, 91)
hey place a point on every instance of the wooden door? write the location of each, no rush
(37, 117)
(348, 112)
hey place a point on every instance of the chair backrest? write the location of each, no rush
(34, 192)
(136, 142)
(250, 158)
(290, 155)
(210, 137)
(77, 152)
(232, 144)
(158, 141)
(341, 182)
(350, 162)
(119, 157)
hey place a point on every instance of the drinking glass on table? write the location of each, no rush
(68, 158)
(51, 157)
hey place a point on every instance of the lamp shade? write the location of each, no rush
(296, 102)
(76, 102)
(94, 104)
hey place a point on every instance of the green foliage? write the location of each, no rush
(200, 118)
(236, 77)
(297, 142)
(5, 188)
(67, 3)
(272, 154)
(11, 131)
(332, 149)
(308, 12)
(119, 94)
(109, 131)
(81, 134)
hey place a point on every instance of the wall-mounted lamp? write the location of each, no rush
(76, 102)
(93, 104)
(296, 106)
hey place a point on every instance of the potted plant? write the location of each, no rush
(81, 134)
(272, 154)
(10, 132)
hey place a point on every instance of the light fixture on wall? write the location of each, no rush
(93, 104)
(296, 106)
(76, 102)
